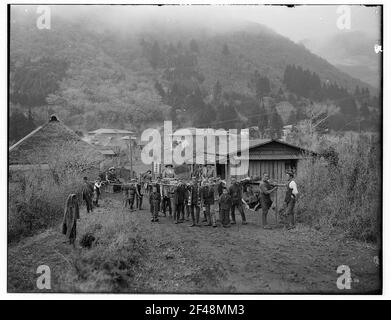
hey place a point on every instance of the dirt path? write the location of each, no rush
(241, 259)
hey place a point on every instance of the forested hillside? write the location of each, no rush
(93, 76)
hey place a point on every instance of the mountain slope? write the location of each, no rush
(351, 52)
(110, 80)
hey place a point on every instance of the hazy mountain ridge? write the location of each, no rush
(352, 52)
(110, 81)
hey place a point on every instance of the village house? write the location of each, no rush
(270, 156)
(38, 150)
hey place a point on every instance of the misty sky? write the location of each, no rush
(310, 21)
(298, 23)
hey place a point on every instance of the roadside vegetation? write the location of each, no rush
(341, 191)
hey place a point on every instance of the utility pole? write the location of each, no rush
(130, 139)
(131, 157)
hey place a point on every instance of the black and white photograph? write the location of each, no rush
(216, 149)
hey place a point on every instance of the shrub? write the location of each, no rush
(37, 199)
(343, 191)
(111, 265)
(38, 202)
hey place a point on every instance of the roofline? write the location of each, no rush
(24, 138)
(269, 141)
(123, 131)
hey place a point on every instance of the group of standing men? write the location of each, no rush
(214, 199)
(184, 200)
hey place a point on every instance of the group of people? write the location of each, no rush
(203, 195)
(186, 200)
(133, 194)
(217, 201)
(91, 193)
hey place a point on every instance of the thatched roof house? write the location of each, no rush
(39, 146)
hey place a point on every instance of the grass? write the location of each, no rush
(342, 191)
(37, 197)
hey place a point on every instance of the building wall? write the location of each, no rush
(275, 168)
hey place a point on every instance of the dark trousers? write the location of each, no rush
(139, 202)
(195, 214)
(289, 211)
(208, 215)
(225, 216)
(167, 202)
(179, 212)
(237, 204)
(88, 201)
(265, 205)
(220, 215)
(155, 209)
(129, 202)
(96, 198)
(188, 209)
(205, 214)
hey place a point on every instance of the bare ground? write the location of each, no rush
(179, 259)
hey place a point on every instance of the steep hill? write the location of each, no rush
(127, 74)
(352, 52)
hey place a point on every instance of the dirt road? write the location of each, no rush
(241, 259)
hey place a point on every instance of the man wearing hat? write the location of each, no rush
(220, 186)
(266, 188)
(235, 191)
(208, 171)
(187, 200)
(290, 198)
(87, 193)
(225, 204)
(132, 192)
(154, 201)
(166, 199)
(168, 172)
(179, 200)
(195, 202)
(139, 195)
(208, 199)
(110, 175)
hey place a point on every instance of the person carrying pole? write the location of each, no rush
(71, 214)
(179, 199)
(225, 204)
(290, 199)
(207, 200)
(235, 191)
(266, 188)
(139, 195)
(87, 192)
(154, 201)
(195, 202)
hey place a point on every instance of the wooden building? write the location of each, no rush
(270, 156)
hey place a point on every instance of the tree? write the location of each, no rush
(261, 85)
(159, 89)
(226, 116)
(20, 125)
(195, 102)
(205, 116)
(225, 50)
(263, 120)
(276, 124)
(348, 106)
(217, 92)
(194, 46)
(34, 81)
(155, 57)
